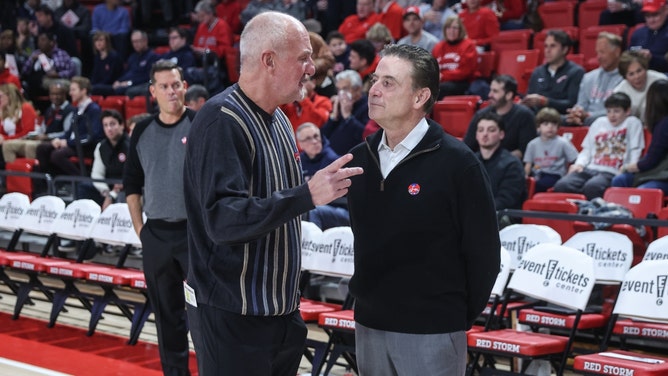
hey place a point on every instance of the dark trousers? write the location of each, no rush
(56, 161)
(165, 258)
(231, 344)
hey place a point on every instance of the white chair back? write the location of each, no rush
(504, 272)
(12, 207)
(41, 215)
(114, 227)
(77, 220)
(328, 252)
(556, 274)
(657, 250)
(642, 295)
(518, 239)
(612, 253)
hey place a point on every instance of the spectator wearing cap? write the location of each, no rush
(652, 39)
(413, 24)
(391, 15)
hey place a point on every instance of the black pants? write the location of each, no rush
(165, 258)
(231, 344)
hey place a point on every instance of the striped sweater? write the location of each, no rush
(244, 193)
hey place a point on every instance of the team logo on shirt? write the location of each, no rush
(121, 157)
(184, 140)
(297, 157)
(414, 189)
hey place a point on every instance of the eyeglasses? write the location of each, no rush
(315, 137)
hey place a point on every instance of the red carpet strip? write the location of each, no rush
(68, 350)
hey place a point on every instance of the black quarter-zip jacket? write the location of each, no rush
(426, 237)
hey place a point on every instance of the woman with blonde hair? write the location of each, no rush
(457, 58)
(17, 116)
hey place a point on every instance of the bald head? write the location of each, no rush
(267, 31)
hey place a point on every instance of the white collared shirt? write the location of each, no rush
(389, 158)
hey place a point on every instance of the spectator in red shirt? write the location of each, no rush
(6, 77)
(481, 23)
(213, 33)
(313, 108)
(230, 11)
(509, 12)
(391, 15)
(457, 58)
(355, 26)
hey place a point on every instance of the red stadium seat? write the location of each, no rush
(511, 40)
(589, 12)
(557, 14)
(519, 64)
(454, 115)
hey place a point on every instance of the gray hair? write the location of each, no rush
(352, 76)
(267, 30)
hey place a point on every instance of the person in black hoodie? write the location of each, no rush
(108, 162)
(426, 235)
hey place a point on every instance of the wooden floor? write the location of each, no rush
(29, 348)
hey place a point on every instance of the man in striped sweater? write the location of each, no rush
(244, 195)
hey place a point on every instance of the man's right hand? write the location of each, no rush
(332, 182)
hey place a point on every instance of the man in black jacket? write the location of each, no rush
(426, 237)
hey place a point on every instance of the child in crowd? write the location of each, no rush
(612, 141)
(337, 44)
(548, 154)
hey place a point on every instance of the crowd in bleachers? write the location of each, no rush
(512, 58)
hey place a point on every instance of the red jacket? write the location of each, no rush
(394, 20)
(7, 78)
(512, 9)
(314, 110)
(25, 125)
(229, 12)
(217, 38)
(458, 61)
(354, 28)
(481, 26)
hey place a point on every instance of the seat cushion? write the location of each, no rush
(28, 262)
(515, 343)
(642, 329)
(555, 320)
(643, 365)
(310, 310)
(114, 276)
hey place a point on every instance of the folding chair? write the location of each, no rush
(557, 14)
(640, 314)
(114, 227)
(12, 207)
(330, 252)
(555, 274)
(612, 253)
(518, 239)
(38, 219)
(519, 64)
(657, 250)
(454, 115)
